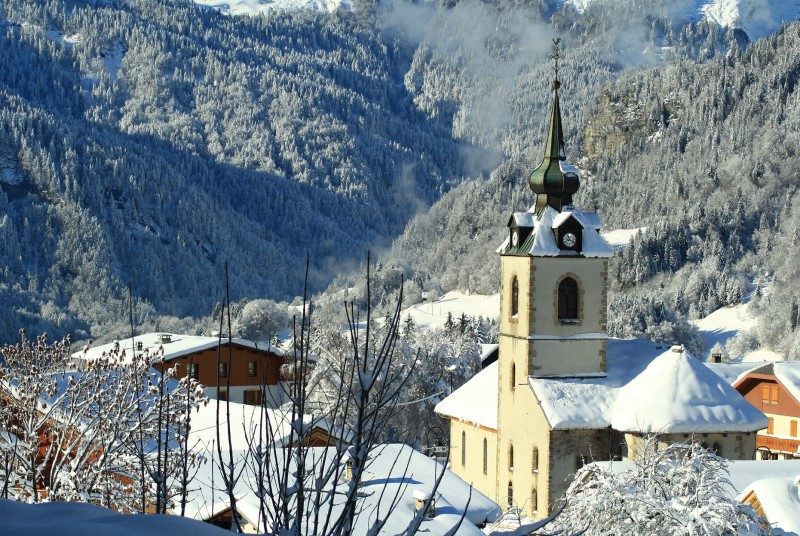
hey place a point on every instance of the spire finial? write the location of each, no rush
(555, 57)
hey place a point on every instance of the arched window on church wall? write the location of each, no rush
(568, 299)
(514, 296)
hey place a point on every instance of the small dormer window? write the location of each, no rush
(568, 300)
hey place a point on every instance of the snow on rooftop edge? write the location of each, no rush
(779, 497)
(474, 402)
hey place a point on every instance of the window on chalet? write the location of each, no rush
(252, 397)
(252, 368)
(568, 300)
(194, 371)
(514, 296)
(765, 394)
(771, 426)
(793, 428)
(222, 394)
(773, 394)
(222, 370)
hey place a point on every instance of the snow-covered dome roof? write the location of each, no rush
(677, 393)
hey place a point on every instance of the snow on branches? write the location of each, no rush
(106, 431)
(682, 489)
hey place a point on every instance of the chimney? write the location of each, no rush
(164, 338)
(678, 348)
(716, 357)
(421, 497)
(139, 345)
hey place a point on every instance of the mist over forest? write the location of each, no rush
(147, 142)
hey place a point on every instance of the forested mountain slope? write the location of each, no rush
(148, 141)
(705, 153)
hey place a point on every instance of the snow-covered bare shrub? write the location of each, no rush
(682, 489)
(109, 431)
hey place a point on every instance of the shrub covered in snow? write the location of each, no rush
(682, 489)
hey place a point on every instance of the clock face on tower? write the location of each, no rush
(569, 240)
(514, 238)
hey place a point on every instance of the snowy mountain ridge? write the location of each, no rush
(756, 17)
(256, 7)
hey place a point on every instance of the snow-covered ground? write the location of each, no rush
(434, 314)
(724, 323)
(621, 237)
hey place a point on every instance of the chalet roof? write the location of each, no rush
(402, 469)
(779, 498)
(204, 419)
(180, 345)
(785, 372)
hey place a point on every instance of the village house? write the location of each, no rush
(774, 388)
(237, 369)
(562, 393)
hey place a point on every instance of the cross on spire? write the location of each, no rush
(555, 56)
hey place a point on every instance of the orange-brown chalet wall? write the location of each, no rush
(268, 367)
(750, 389)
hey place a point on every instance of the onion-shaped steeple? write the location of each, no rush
(554, 181)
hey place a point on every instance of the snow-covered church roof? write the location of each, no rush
(474, 402)
(542, 241)
(679, 394)
(647, 387)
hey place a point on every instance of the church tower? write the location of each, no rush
(552, 314)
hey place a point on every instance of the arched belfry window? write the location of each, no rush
(568, 299)
(514, 296)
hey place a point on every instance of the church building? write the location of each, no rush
(562, 393)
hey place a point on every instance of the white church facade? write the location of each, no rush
(562, 393)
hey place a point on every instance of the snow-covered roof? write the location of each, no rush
(524, 219)
(691, 397)
(244, 420)
(543, 242)
(683, 396)
(80, 519)
(779, 498)
(179, 345)
(399, 468)
(474, 402)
